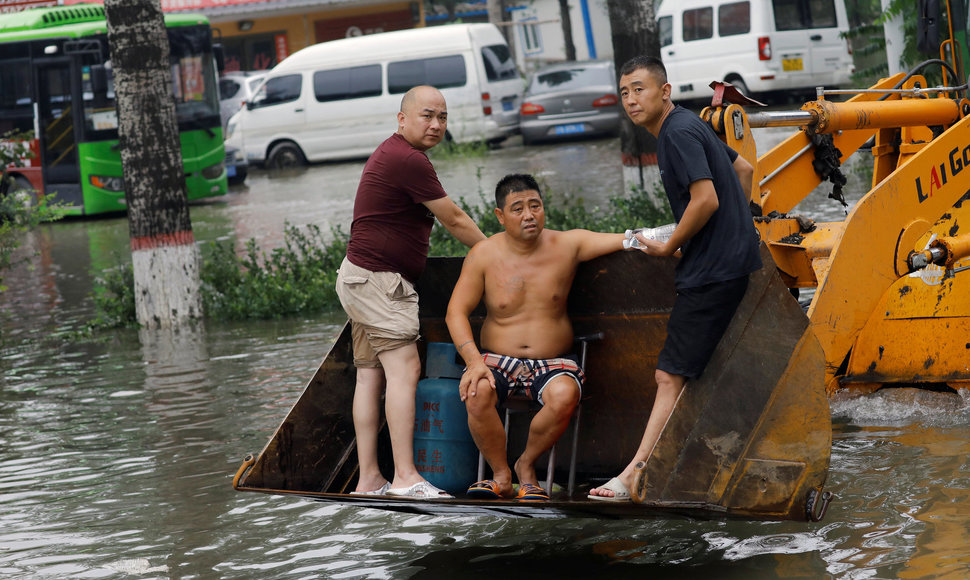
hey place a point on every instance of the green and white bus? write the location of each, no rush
(56, 84)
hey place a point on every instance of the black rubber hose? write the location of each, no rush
(919, 67)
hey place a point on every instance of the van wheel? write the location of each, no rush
(285, 156)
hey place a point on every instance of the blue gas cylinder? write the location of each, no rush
(444, 451)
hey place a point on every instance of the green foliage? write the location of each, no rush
(869, 44)
(450, 150)
(114, 298)
(300, 276)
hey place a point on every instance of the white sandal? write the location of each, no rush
(420, 490)
(620, 492)
(379, 491)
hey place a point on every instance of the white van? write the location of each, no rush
(339, 99)
(757, 45)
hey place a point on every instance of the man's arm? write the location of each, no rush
(455, 220)
(465, 297)
(702, 205)
(745, 173)
(595, 244)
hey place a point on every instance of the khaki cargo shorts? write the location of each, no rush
(382, 308)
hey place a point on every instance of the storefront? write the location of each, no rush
(257, 34)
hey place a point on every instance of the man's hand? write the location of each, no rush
(655, 247)
(471, 380)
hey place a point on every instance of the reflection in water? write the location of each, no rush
(117, 453)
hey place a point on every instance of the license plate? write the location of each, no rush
(570, 129)
(230, 171)
(508, 106)
(791, 64)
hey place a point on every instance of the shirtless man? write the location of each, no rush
(524, 274)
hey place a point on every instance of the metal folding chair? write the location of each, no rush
(518, 401)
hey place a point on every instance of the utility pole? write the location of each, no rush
(567, 29)
(634, 27)
(165, 259)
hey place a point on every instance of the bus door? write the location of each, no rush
(58, 143)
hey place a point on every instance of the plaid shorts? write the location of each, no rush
(530, 375)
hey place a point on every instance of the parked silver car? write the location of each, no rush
(569, 100)
(235, 88)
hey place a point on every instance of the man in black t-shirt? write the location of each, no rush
(715, 236)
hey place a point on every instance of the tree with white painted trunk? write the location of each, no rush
(165, 259)
(634, 27)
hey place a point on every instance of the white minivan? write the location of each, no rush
(339, 99)
(759, 46)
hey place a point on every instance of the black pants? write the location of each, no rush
(699, 319)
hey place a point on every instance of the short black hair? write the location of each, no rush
(514, 183)
(652, 64)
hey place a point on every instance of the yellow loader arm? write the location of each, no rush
(892, 294)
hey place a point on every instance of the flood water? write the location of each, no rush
(117, 452)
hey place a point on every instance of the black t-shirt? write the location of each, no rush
(727, 246)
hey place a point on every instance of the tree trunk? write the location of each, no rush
(496, 16)
(634, 27)
(567, 29)
(164, 257)
(895, 40)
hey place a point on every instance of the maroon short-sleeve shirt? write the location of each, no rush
(391, 227)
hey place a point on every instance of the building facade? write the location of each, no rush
(258, 34)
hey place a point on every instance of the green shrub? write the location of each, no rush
(298, 277)
(114, 298)
(451, 150)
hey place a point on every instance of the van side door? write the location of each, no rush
(348, 115)
(693, 56)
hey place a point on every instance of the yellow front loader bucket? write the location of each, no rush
(752, 435)
(750, 439)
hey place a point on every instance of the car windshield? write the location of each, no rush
(568, 79)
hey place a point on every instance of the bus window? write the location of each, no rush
(193, 63)
(98, 90)
(16, 105)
